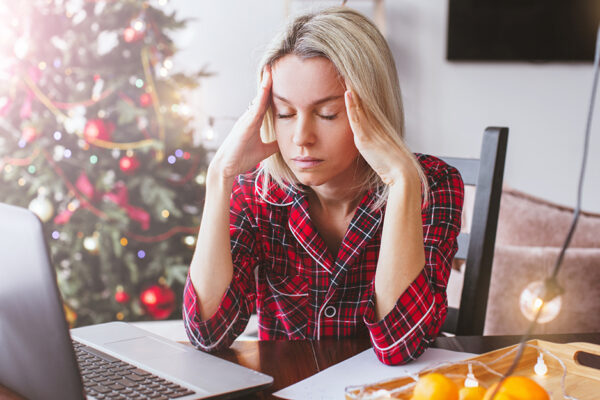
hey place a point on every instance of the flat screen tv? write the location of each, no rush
(522, 30)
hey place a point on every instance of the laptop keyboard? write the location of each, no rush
(106, 377)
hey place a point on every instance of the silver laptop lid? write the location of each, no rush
(36, 354)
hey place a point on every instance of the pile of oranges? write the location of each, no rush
(435, 386)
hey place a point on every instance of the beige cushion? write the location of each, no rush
(525, 220)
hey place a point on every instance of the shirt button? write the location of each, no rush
(330, 311)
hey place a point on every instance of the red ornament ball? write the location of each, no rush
(145, 99)
(129, 164)
(159, 301)
(121, 296)
(29, 134)
(131, 35)
(97, 129)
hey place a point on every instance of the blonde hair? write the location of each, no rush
(363, 59)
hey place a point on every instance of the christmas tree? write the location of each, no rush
(96, 139)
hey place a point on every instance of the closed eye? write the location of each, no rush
(329, 117)
(285, 115)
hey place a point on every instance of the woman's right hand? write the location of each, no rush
(243, 148)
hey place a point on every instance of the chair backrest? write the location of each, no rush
(477, 246)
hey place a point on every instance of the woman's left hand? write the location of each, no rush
(380, 151)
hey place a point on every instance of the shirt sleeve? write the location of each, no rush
(414, 323)
(229, 321)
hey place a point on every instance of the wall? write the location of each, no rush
(447, 104)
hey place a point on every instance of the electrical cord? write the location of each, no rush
(551, 286)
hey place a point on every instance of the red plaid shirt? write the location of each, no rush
(284, 269)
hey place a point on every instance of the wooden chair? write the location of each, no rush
(477, 246)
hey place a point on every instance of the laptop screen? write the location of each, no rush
(37, 359)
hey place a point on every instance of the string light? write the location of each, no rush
(470, 380)
(540, 367)
(138, 24)
(189, 240)
(73, 205)
(209, 133)
(165, 214)
(21, 48)
(532, 302)
(123, 241)
(90, 243)
(201, 179)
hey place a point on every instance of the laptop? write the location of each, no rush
(39, 359)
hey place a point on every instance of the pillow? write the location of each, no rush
(530, 221)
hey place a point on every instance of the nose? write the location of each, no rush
(304, 134)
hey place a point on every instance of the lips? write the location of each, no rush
(306, 162)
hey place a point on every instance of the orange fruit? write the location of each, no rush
(517, 388)
(435, 386)
(471, 393)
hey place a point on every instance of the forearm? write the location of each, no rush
(211, 269)
(401, 255)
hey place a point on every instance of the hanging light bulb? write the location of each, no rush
(544, 295)
(209, 132)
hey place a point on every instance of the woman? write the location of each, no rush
(340, 230)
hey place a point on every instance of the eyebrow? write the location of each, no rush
(314, 103)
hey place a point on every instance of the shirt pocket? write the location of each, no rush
(287, 304)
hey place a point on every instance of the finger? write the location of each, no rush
(352, 109)
(258, 107)
(265, 90)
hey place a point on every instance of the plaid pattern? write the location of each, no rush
(283, 268)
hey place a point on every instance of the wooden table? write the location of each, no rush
(289, 362)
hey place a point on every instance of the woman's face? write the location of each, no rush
(311, 124)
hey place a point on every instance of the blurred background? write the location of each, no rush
(111, 110)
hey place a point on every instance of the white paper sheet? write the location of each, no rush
(363, 368)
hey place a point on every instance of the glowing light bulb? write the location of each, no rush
(209, 133)
(138, 24)
(471, 381)
(540, 367)
(21, 47)
(532, 299)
